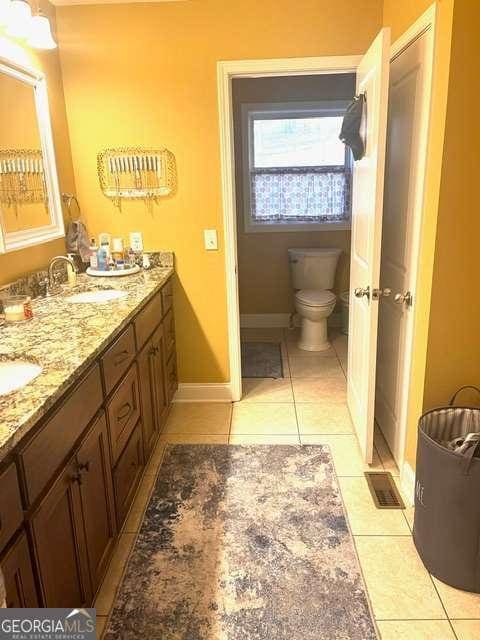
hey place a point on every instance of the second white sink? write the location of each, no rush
(15, 374)
(98, 296)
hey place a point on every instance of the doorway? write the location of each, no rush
(362, 356)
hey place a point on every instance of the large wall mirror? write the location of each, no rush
(30, 205)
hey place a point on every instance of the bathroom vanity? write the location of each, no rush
(74, 442)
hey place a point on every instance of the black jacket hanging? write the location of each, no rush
(350, 132)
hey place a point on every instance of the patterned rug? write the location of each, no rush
(262, 360)
(243, 543)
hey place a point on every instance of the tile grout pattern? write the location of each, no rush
(407, 603)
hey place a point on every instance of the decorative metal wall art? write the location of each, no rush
(136, 173)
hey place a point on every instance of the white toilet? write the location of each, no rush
(313, 275)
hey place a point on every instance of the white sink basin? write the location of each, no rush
(98, 296)
(15, 374)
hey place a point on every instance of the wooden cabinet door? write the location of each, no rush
(96, 491)
(146, 374)
(18, 574)
(160, 383)
(60, 547)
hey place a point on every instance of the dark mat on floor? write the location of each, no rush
(243, 543)
(262, 360)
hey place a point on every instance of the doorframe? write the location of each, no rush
(226, 72)
(426, 23)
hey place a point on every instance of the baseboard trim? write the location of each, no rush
(207, 392)
(407, 481)
(279, 320)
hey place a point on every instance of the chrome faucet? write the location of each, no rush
(53, 286)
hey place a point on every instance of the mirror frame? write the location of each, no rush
(15, 240)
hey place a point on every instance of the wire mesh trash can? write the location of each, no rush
(446, 528)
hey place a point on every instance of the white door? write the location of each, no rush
(367, 205)
(408, 114)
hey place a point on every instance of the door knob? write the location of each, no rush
(404, 298)
(362, 291)
(379, 293)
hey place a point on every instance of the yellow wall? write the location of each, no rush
(453, 357)
(145, 74)
(17, 263)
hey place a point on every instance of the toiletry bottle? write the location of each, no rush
(102, 257)
(117, 249)
(93, 255)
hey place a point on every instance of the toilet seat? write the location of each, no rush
(315, 297)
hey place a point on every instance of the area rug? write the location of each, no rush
(243, 543)
(262, 360)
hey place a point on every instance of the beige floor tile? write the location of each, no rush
(194, 438)
(345, 452)
(259, 334)
(135, 515)
(266, 438)
(315, 367)
(199, 417)
(106, 595)
(363, 515)
(384, 452)
(409, 513)
(340, 344)
(322, 417)
(101, 622)
(344, 364)
(459, 604)
(267, 390)
(269, 417)
(398, 584)
(415, 630)
(467, 629)
(320, 389)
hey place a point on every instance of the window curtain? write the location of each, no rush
(300, 194)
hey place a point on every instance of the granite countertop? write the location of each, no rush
(64, 338)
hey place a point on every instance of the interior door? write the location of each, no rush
(408, 113)
(367, 205)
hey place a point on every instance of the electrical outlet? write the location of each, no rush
(136, 240)
(210, 239)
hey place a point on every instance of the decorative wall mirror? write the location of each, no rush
(30, 205)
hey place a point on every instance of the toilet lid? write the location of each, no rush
(315, 297)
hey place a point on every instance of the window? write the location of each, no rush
(297, 172)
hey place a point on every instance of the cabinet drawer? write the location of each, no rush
(11, 512)
(171, 378)
(167, 296)
(127, 474)
(51, 445)
(169, 334)
(123, 411)
(118, 358)
(148, 319)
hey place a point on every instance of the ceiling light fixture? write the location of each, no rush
(40, 36)
(19, 19)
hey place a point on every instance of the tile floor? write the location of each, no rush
(308, 407)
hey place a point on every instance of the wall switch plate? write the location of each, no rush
(210, 239)
(136, 240)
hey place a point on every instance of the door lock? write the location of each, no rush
(404, 298)
(360, 292)
(381, 293)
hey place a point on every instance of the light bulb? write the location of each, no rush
(40, 33)
(19, 19)
(4, 12)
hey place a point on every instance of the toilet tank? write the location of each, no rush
(313, 268)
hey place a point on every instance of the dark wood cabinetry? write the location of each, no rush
(66, 489)
(96, 492)
(18, 575)
(60, 544)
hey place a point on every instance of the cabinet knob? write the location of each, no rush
(84, 466)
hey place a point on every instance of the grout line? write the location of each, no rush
(291, 387)
(441, 602)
